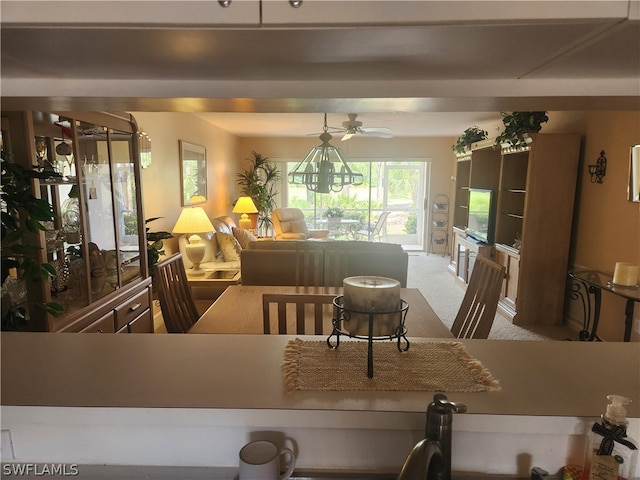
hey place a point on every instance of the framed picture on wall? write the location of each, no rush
(634, 174)
(193, 173)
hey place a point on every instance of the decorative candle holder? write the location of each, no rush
(343, 316)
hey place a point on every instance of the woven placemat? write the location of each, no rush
(432, 366)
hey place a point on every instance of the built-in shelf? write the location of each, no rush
(528, 184)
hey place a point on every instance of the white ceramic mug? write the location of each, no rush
(260, 460)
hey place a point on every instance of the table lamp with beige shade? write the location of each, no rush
(245, 205)
(192, 221)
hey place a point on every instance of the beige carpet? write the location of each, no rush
(430, 275)
(429, 366)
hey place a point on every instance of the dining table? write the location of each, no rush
(239, 311)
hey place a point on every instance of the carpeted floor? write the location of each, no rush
(430, 275)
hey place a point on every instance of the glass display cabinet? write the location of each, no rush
(96, 243)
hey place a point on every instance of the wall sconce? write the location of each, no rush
(599, 169)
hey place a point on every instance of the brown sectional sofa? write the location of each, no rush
(307, 263)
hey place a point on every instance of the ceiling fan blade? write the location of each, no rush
(377, 132)
(347, 136)
(375, 129)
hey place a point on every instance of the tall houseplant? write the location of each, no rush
(23, 217)
(260, 181)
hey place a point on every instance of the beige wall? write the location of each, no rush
(606, 225)
(437, 150)
(161, 181)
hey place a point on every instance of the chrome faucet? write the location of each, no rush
(430, 459)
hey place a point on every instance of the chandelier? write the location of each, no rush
(325, 168)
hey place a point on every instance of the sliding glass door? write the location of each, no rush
(394, 189)
(402, 197)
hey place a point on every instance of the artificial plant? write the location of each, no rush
(469, 136)
(517, 124)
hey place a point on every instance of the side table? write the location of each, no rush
(594, 283)
(205, 289)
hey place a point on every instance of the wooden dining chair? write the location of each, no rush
(178, 308)
(312, 303)
(480, 302)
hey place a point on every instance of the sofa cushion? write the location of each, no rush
(229, 246)
(243, 236)
(223, 224)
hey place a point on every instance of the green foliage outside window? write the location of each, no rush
(411, 226)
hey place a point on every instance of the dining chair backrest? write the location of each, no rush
(178, 308)
(302, 304)
(478, 309)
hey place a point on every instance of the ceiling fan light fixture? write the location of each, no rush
(317, 170)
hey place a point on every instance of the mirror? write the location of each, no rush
(193, 173)
(634, 174)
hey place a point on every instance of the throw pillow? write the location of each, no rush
(243, 236)
(229, 247)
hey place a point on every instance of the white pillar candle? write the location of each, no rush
(378, 294)
(625, 274)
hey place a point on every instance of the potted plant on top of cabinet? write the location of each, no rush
(259, 182)
(516, 127)
(469, 136)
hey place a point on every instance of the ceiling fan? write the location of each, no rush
(353, 127)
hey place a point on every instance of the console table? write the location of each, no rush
(594, 283)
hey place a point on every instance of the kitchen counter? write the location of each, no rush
(244, 371)
(206, 395)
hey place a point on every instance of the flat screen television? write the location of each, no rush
(482, 211)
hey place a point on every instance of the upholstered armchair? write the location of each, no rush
(289, 224)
